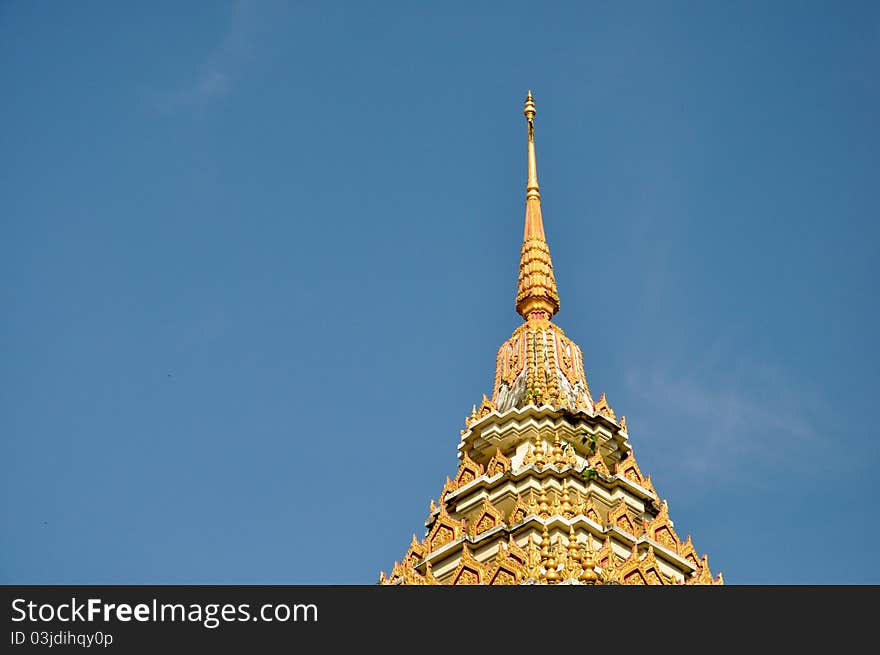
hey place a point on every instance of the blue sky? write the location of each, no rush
(257, 258)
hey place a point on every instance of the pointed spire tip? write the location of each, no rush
(529, 109)
(536, 289)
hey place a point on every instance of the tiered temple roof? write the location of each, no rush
(548, 490)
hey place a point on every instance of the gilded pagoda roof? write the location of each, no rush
(548, 490)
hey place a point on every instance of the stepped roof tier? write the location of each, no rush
(548, 490)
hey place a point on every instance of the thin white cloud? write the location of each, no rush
(223, 66)
(729, 417)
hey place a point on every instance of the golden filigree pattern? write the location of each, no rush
(540, 351)
(488, 517)
(519, 512)
(629, 468)
(444, 530)
(703, 576)
(468, 471)
(469, 570)
(506, 570)
(515, 552)
(602, 407)
(660, 530)
(416, 552)
(687, 551)
(619, 516)
(598, 463)
(498, 464)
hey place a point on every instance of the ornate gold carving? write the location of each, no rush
(660, 530)
(486, 408)
(488, 517)
(638, 569)
(703, 576)
(416, 552)
(515, 552)
(596, 462)
(634, 578)
(468, 571)
(542, 394)
(503, 576)
(511, 360)
(541, 351)
(554, 392)
(561, 554)
(506, 570)
(444, 530)
(533, 502)
(429, 574)
(448, 488)
(558, 452)
(403, 573)
(588, 573)
(443, 534)
(687, 551)
(536, 296)
(412, 577)
(533, 563)
(624, 523)
(651, 569)
(543, 502)
(548, 560)
(619, 516)
(565, 507)
(611, 572)
(519, 512)
(602, 407)
(535, 454)
(605, 556)
(498, 464)
(573, 556)
(629, 468)
(467, 576)
(468, 471)
(629, 570)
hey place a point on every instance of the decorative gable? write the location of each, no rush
(619, 516)
(602, 407)
(444, 530)
(488, 517)
(498, 464)
(629, 469)
(506, 570)
(468, 471)
(469, 571)
(660, 530)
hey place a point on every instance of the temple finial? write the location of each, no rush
(536, 296)
(532, 189)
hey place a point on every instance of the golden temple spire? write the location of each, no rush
(536, 295)
(533, 191)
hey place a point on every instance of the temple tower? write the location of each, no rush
(548, 490)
